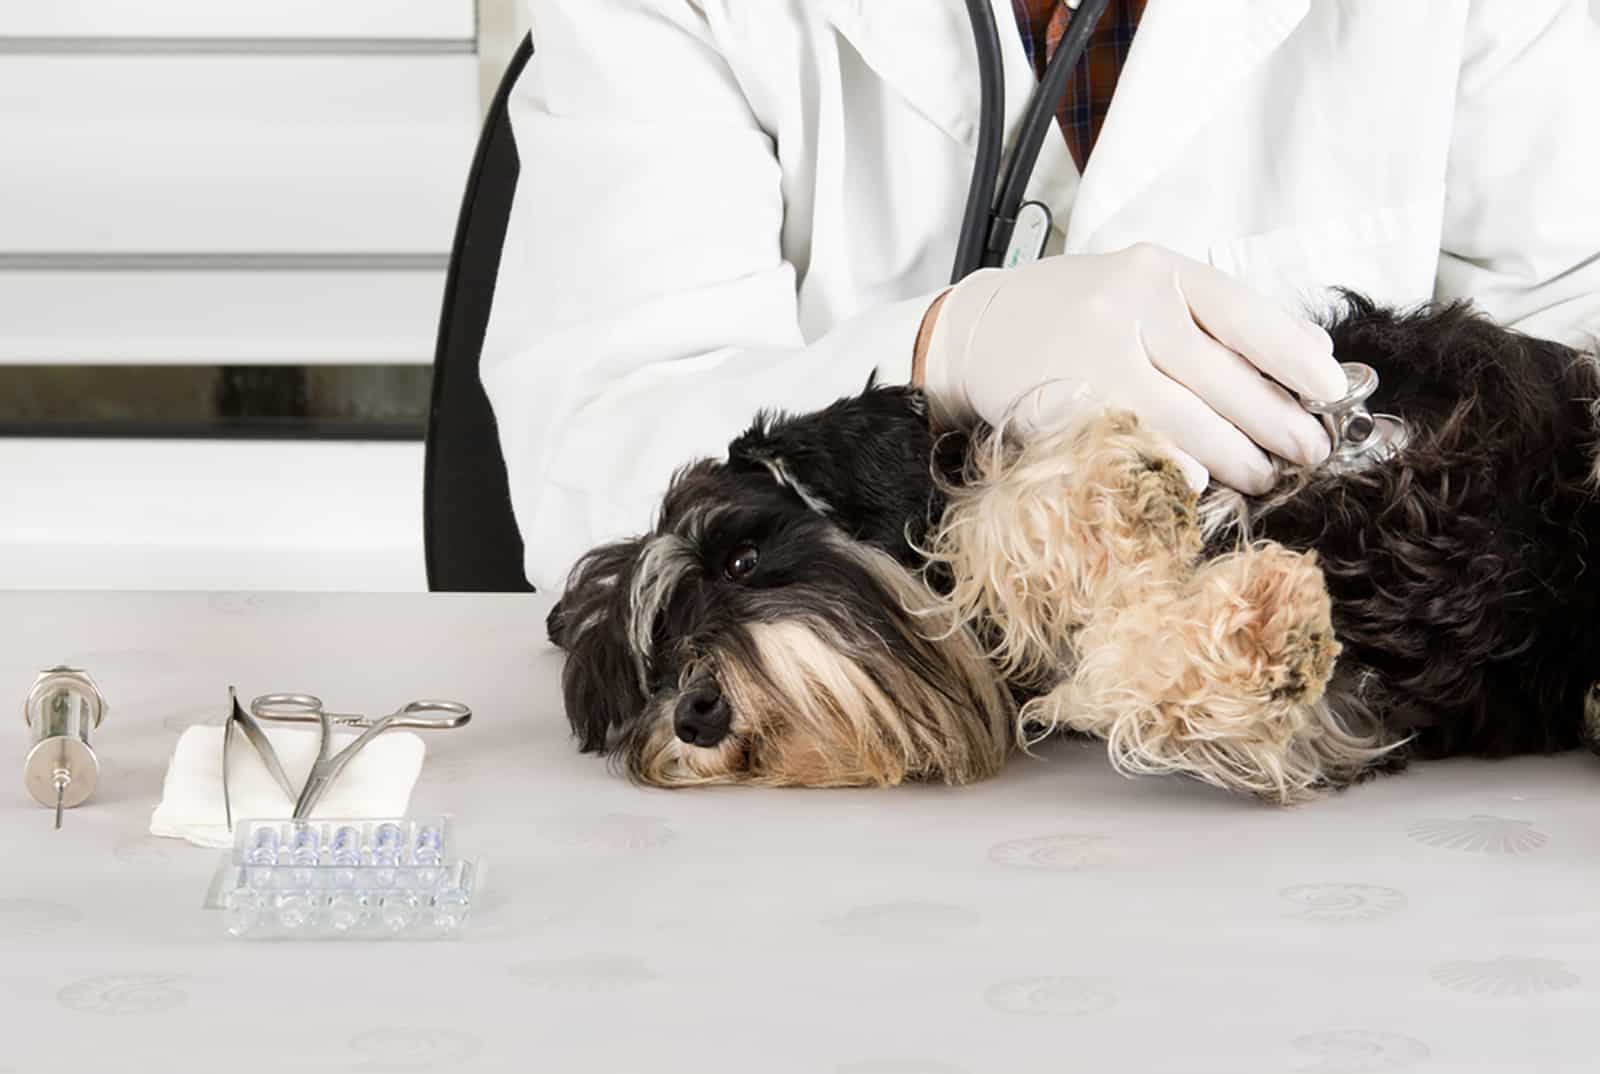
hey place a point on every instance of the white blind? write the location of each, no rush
(205, 181)
(412, 19)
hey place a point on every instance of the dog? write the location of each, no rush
(851, 597)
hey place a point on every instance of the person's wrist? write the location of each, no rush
(919, 353)
(951, 337)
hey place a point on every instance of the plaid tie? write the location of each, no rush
(1083, 109)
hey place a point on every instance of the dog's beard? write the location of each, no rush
(833, 696)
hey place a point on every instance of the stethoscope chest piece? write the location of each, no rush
(1360, 438)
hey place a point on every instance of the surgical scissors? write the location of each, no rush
(307, 708)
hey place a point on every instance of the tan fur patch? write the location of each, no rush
(1083, 548)
(1041, 539)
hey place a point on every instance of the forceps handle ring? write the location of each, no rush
(295, 708)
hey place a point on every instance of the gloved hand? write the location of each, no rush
(1181, 344)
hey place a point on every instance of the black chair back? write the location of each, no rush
(469, 533)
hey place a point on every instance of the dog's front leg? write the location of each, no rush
(1219, 675)
(1047, 533)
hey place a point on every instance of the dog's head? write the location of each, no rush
(773, 628)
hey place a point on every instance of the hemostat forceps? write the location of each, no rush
(305, 708)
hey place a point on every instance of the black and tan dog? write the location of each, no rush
(847, 599)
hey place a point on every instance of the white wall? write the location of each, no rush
(154, 514)
(502, 24)
(223, 181)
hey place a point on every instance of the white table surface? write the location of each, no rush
(1058, 918)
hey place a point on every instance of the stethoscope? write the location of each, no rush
(1009, 231)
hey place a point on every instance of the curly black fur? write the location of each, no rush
(850, 460)
(1460, 571)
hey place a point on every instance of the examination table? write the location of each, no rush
(1058, 918)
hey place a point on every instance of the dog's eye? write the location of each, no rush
(742, 563)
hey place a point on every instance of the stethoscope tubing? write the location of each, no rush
(991, 130)
(987, 223)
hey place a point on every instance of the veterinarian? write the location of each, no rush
(733, 204)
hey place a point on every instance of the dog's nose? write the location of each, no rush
(702, 717)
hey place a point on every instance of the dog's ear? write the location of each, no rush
(863, 462)
(600, 680)
(555, 626)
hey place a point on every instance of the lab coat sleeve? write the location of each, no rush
(645, 309)
(1521, 233)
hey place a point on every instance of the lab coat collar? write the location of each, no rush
(1186, 58)
(924, 50)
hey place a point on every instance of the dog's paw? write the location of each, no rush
(1264, 617)
(1218, 676)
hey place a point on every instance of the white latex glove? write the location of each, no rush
(1179, 343)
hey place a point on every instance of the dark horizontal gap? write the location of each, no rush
(221, 430)
(310, 402)
(236, 46)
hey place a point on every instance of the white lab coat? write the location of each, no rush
(734, 204)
